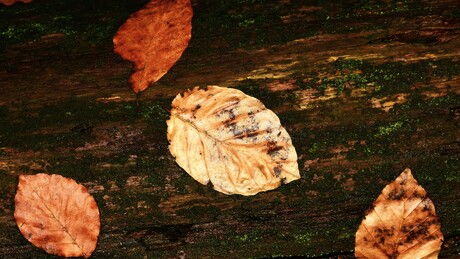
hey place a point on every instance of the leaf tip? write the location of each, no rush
(407, 172)
(402, 223)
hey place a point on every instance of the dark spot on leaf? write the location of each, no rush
(405, 229)
(396, 194)
(251, 134)
(238, 133)
(273, 148)
(277, 171)
(426, 206)
(231, 125)
(248, 133)
(231, 115)
(417, 195)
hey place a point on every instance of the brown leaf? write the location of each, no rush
(402, 224)
(11, 2)
(222, 136)
(154, 39)
(57, 215)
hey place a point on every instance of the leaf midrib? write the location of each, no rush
(59, 222)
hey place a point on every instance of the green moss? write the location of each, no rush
(346, 235)
(153, 111)
(358, 9)
(96, 21)
(18, 33)
(451, 169)
(249, 237)
(349, 64)
(435, 170)
(303, 238)
(215, 16)
(385, 78)
(418, 102)
(449, 100)
(389, 129)
(317, 142)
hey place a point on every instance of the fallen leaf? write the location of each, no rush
(11, 2)
(154, 38)
(223, 136)
(57, 215)
(402, 224)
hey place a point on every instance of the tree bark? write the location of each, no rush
(364, 90)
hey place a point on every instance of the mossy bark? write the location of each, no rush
(364, 89)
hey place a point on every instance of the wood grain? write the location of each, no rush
(364, 90)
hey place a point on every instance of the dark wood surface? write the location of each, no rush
(365, 89)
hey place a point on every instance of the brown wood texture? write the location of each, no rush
(364, 88)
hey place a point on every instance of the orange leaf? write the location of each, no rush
(402, 224)
(154, 38)
(57, 215)
(11, 2)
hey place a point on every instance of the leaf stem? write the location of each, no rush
(138, 103)
(164, 108)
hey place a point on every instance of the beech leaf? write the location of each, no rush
(402, 224)
(11, 2)
(57, 215)
(223, 136)
(154, 38)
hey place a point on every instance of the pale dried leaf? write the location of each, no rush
(402, 224)
(222, 136)
(11, 2)
(57, 215)
(154, 38)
